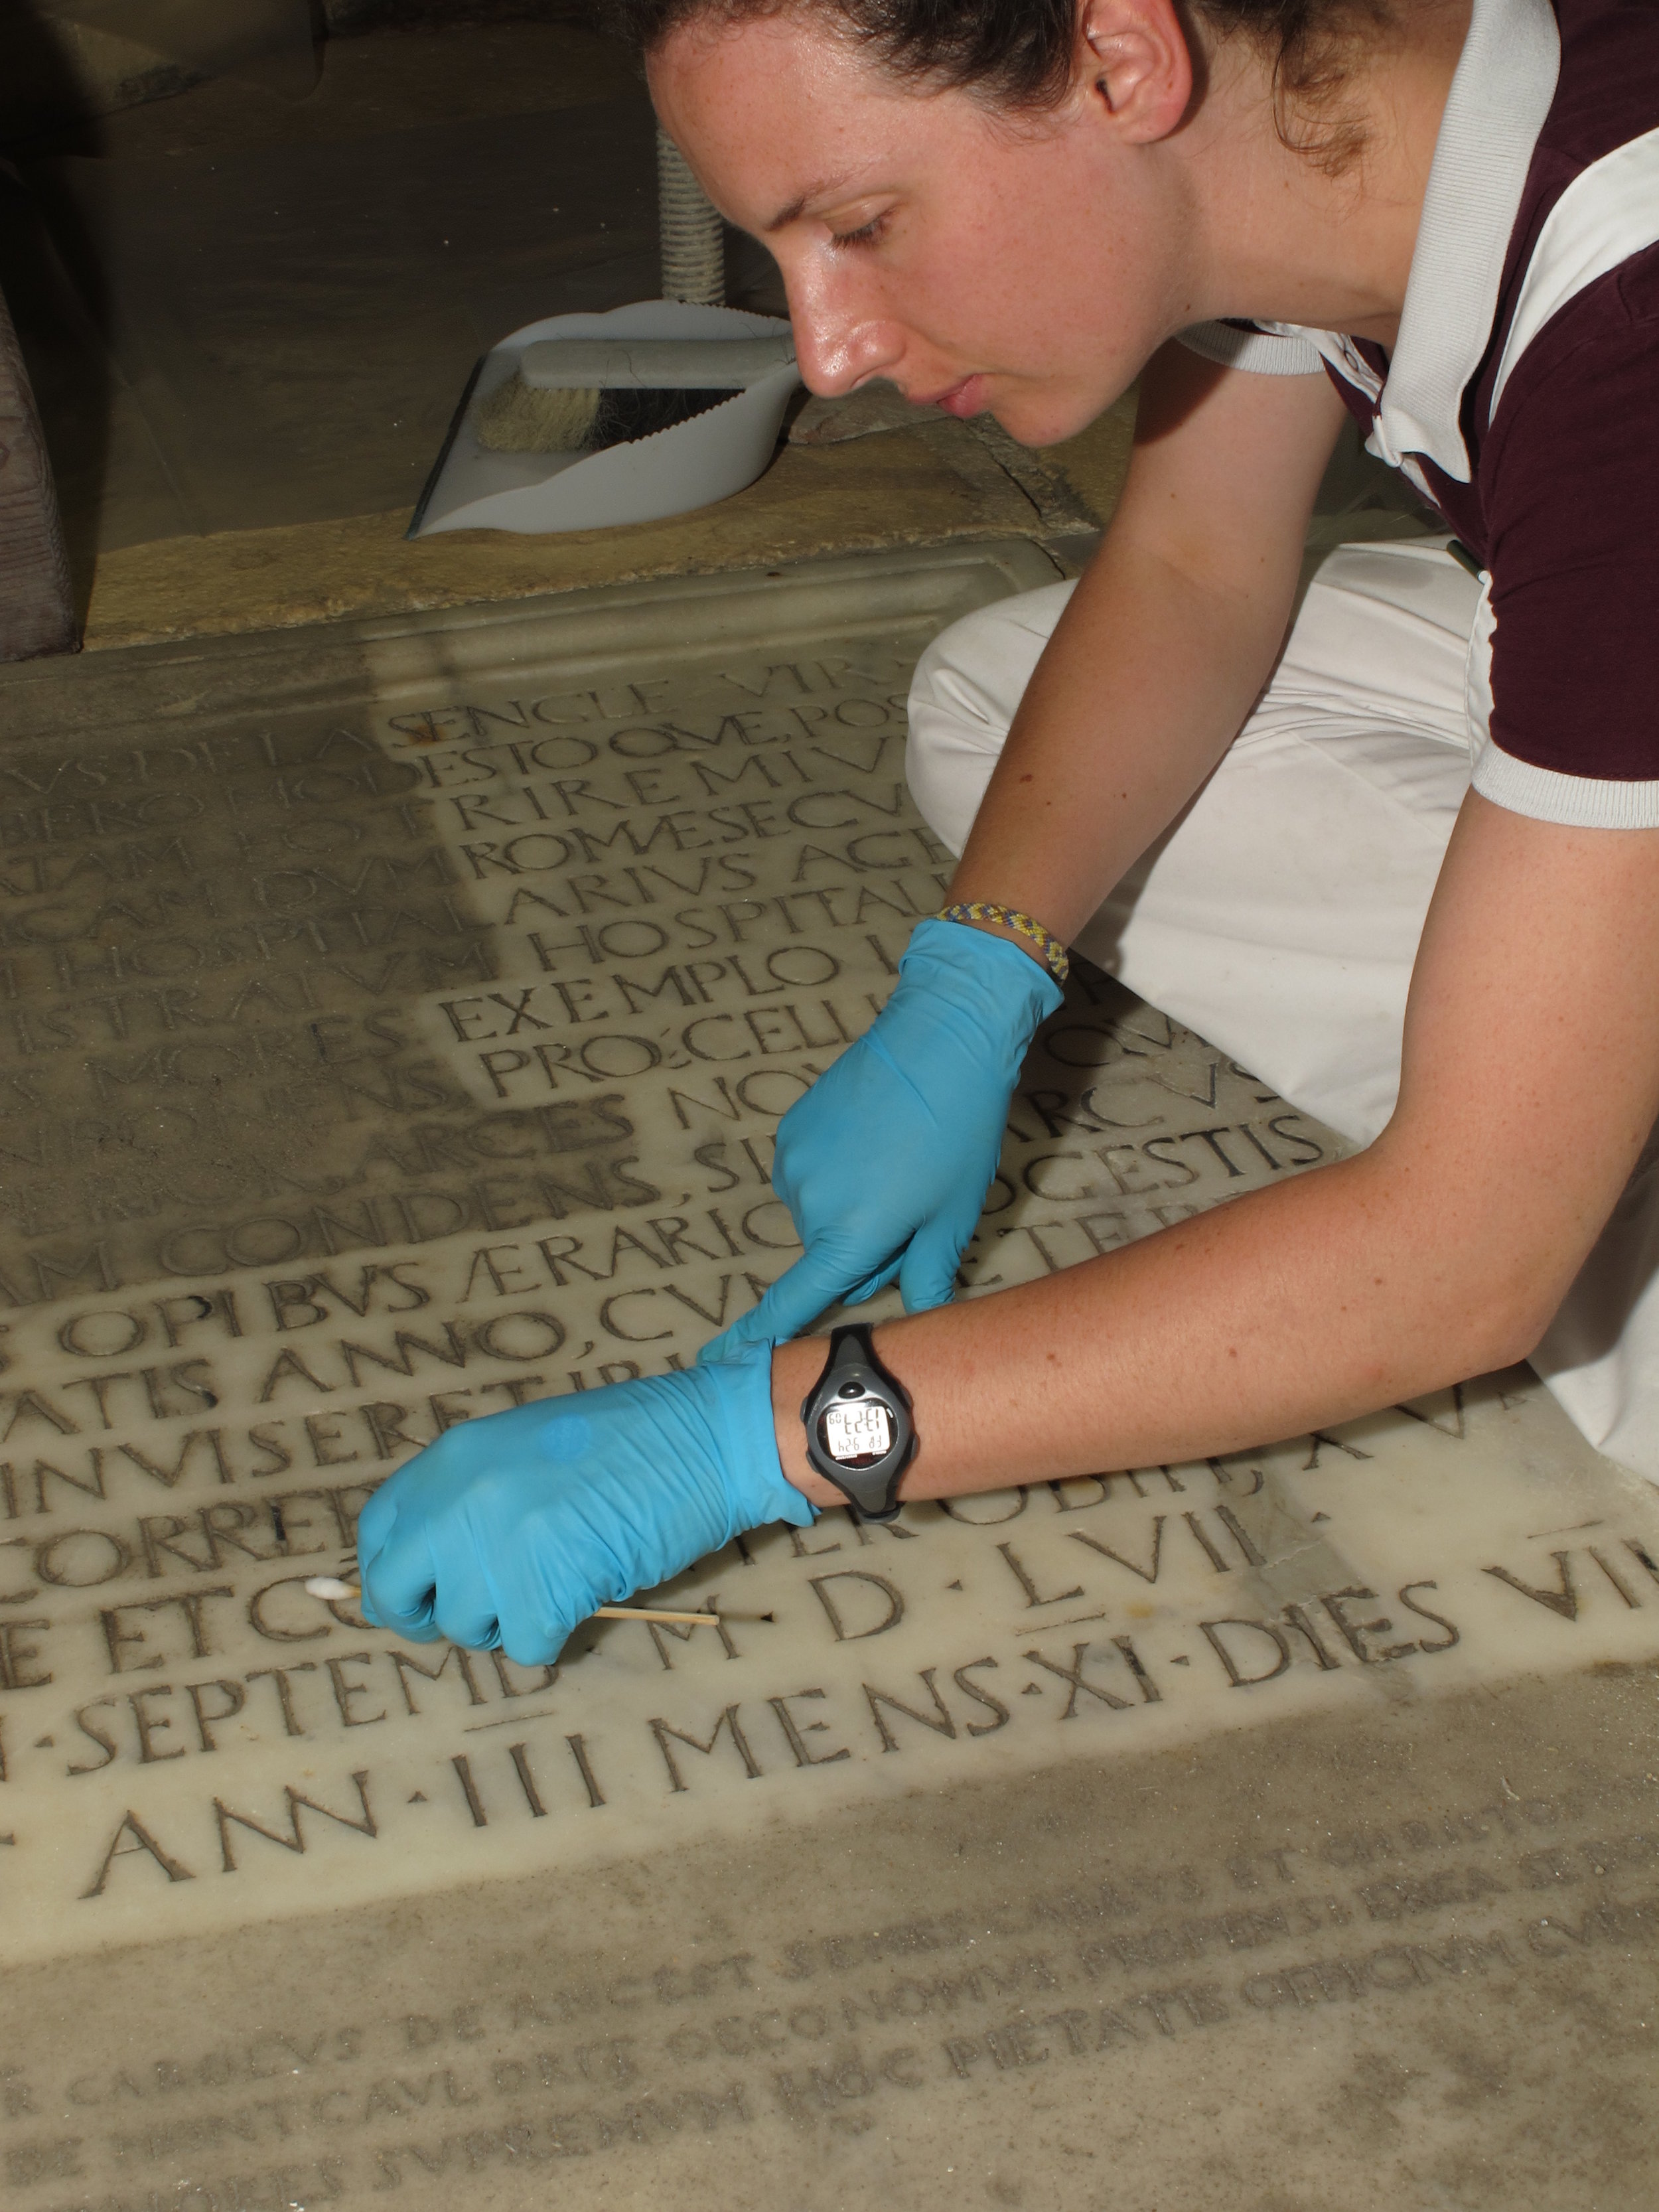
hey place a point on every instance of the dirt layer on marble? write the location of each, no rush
(1410, 1956)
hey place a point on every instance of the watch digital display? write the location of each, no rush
(858, 1435)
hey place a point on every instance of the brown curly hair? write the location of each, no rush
(1020, 54)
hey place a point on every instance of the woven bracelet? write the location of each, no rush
(1053, 953)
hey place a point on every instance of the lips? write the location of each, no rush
(963, 399)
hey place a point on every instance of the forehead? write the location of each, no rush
(770, 99)
(787, 113)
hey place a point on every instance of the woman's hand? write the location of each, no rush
(885, 1163)
(510, 1530)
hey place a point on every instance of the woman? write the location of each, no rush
(1405, 864)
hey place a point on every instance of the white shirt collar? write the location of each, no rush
(1499, 97)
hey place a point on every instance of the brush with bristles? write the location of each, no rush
(582, 395)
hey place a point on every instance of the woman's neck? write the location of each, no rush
(1290, 232)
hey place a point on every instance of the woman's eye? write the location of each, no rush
(866, 234)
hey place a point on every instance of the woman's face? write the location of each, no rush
(1026, 268)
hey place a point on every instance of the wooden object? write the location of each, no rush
(328, 1588)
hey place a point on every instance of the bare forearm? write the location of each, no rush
(1165, 644)
(1306, 1304)
(1142, 688)
(1530, 1085)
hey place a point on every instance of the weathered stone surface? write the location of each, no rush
(397, 1016)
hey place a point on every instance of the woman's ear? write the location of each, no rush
(1137, 65)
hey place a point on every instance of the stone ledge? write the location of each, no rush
(924, 486)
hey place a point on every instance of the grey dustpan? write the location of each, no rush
(693, 464)
(714, 454)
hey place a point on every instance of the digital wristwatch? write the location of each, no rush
(859, 1435)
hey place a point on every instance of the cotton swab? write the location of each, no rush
(330, 1589)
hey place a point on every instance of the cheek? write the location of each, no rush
(1014, 267)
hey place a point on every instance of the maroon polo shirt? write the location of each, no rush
(1556, 491)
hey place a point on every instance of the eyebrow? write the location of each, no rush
(821, 188)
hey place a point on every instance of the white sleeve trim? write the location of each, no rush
(1576, 802)
(1263, 353)
(1608, 214)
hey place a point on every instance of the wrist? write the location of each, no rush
(1009, 937)
(738, 1391)
(977, 970)
(796, 1367)
(1015, 927)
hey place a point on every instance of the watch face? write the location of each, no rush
(857, 1435)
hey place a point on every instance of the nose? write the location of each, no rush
(842, 339)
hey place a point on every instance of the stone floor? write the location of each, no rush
(410, 949)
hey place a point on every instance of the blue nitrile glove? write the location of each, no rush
(885, 1163)
(509, 1530)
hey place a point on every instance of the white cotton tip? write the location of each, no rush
(327, 1586)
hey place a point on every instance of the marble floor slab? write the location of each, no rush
(398, 1018)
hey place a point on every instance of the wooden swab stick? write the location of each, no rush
(328, 1587)
(670, 1620)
